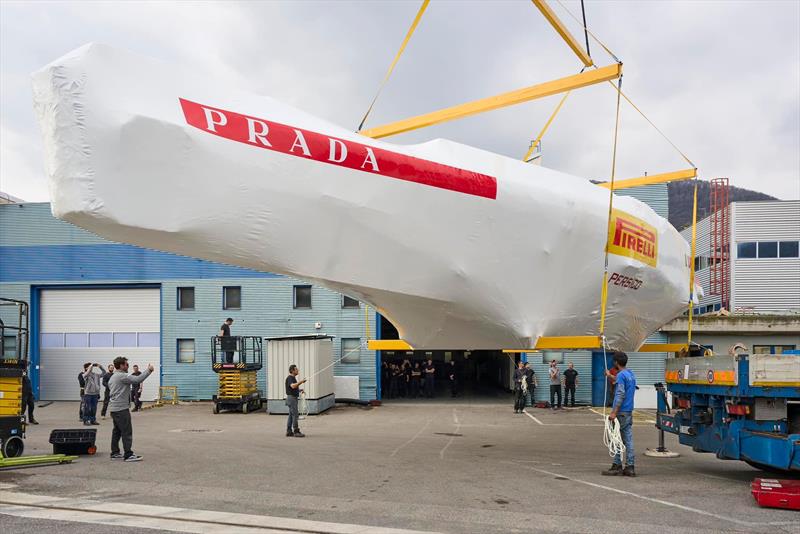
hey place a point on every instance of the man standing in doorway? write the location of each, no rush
(120, 385)
(519, 394)
(453, 372)
(430, 371)
(136, 390)
(570, 384)
(533, 383)
(555, 386)
(622, 410)
(93, 378)
(225, 331)
(292, 398)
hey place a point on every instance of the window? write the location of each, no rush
(351, 350)
(768, 249)
(9, 348)
(789, 249)
(302, 296)
(185, 298)
(101, 339)
(771, 349)
(232, 298)
(76, 340)
(746, 250)
(52, 341)
(186, 351)
(125, 339)
(149, 339)
(348, 302)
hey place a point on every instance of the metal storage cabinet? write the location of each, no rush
(313, 355)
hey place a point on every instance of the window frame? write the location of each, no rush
(796, 246)
(179, 303)
(348, 360)
(762, 244)
(310, 297)
(225, 305)
(351, 307)
(178, 349)
(745, 243)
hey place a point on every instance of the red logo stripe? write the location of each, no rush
(335, 151)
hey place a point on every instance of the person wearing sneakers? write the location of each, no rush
(120, 387)
(292, 398)
(622, 409)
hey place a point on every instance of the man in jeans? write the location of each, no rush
(292, 397)
(622, 409)
(555, 385)
(93, 380)
(120, 386)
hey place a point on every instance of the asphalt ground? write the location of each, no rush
(446, 466)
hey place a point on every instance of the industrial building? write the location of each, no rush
(92, 299)
(748, 263)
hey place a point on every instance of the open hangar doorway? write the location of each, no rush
(480, 374)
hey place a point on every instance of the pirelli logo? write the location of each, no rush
(633, 238)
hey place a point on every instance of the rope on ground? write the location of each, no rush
(407, 38)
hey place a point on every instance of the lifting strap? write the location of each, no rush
(413, 27)
(538, 139)
(691, 267)
(604, 290)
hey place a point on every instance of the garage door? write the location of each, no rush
(96, 325)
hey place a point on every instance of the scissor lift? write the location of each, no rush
(237, 360)
(12, 368)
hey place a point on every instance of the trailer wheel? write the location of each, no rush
(13, 447)
(245, 407)
(215, 409)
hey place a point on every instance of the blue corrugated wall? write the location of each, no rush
(38, 250)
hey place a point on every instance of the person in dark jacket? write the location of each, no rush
(136, 391)
(82, 384)
(27, 398)
(106, 391)
(519, 394)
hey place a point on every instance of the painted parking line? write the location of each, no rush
(170, 518)
(654, 500)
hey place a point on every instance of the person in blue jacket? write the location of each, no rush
(622, 409)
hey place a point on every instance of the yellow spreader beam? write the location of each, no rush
(562, 30)
(662, 347)
(388, 344)
(518, 96)
(676, 176)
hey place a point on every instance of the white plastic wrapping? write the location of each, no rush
(458, 247)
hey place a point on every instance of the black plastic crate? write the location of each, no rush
(74, 441)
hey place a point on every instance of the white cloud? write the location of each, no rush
(721, 79)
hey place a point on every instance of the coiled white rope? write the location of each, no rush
(612, 437)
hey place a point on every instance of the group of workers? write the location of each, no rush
(407, 379)
(526, 382)
(120, 389)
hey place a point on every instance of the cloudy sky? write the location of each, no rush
(721, 78)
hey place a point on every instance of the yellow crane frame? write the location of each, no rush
(526, 94)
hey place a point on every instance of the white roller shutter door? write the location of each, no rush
(97, 325)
